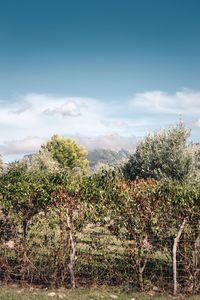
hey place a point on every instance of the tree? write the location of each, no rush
(68, 153)
(24, 194)
(43, 162)
(163, 155)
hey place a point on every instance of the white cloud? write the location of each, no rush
(185, 102)
(68, 109)
(27, 145)
(22, 109)
(31, 145)
(66, 116)
(109, 141)
(34, 118)
(196, 124)
(114, 123)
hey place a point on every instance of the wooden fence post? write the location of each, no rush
(176, 240)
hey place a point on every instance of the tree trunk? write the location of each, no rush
(140, 277)
(24, 228)
(71, 251)
(176, 240)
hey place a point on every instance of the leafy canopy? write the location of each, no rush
(26, 194)
(67, 153)
(163, 155)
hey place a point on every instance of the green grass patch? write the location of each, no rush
(19, 293)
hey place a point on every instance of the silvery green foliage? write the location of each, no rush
(1, 164)
(25, 162)
(100, 167)
(195, 149)
(16, 166)
(76, 171)
(106, 157)
(43, 162)
(163, 155)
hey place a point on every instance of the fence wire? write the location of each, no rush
(101, 257)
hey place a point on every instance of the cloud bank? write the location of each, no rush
(33, 118)
(185, 102)
(27, 145)
(110, 142)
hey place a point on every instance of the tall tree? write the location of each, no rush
(163, 155)
(68, 153)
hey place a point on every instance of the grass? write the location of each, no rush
(17, 293)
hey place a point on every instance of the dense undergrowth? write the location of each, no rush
(57, 230)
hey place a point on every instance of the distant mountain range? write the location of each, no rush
(106, 149)
(101, 156)
(108, 157)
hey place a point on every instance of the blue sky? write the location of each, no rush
(96, 68)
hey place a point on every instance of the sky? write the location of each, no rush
(105, 72)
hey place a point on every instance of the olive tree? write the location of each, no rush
(164, 155)
(44, 163)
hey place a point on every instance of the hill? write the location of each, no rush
(103, 156)
(108, 157)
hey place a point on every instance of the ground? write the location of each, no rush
(14, 292)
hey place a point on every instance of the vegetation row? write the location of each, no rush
(136, 224)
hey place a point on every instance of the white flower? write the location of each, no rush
(10, 244)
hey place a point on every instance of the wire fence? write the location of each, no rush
(101, 257)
